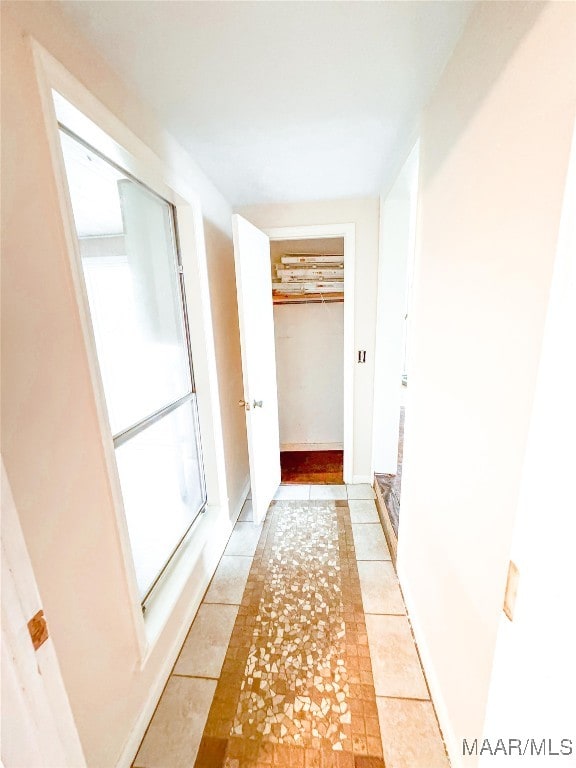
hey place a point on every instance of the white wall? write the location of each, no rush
(397, 231)
(494, 149)
(364, 214)
(534, 675)
(310, 374)
(51, 439)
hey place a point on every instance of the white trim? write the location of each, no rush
(198, 306)
(48, 72)
(311, 446)
(243, 499)
(348, 233)
(434, 687)
(117, 142)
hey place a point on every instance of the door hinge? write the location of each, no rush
(38, 629)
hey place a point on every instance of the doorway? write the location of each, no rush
(308, 298)
(256, 316)
(396, 272)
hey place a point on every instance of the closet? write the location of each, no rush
(308, 296)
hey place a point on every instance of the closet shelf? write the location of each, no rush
(308, 298)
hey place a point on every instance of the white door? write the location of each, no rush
(254, 289)
(38, 728)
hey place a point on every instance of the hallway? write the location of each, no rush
(301, 653)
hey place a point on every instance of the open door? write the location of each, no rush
(254, 289)
(38, 727)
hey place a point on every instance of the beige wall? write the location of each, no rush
(534, 675)
(50, 431)
(364, 214)
(494, 152)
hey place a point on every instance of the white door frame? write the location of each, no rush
(348, 233)
(90, 119)
(37, 721)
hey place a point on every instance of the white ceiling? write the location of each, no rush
(282, 101)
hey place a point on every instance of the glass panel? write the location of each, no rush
(130, 268)
(127, 245)
(161, 478)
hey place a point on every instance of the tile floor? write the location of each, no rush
(301, 653)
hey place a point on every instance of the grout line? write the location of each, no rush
(209, 602)
(406, 698)
(194, 677)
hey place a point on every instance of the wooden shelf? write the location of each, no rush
(308, 298)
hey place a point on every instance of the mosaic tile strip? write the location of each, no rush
(296, 686)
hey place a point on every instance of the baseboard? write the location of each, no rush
(391, 538)
(436, 696)
(211, 552)
(356, 479)
(139, 729)
(242, 499)
(311, 446)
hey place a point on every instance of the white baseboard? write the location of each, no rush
(311, 446)
(242, 500)
(139, 728)
(211, 553)
(444, 719)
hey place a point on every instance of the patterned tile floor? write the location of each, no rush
(301, 653)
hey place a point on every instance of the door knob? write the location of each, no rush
(244, 404)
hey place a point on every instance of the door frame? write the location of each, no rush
(37, 711)
(348, 233)
(90, 119)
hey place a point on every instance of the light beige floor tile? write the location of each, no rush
(327, 492)
(395, 663)
(379, 587)
(410, 734)
(360, 491)
(174, 734)
(229, 580)
(244, 539)
(369, 542)
(293, 493)
(363, 511)
(204, 649)
(246, 513)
